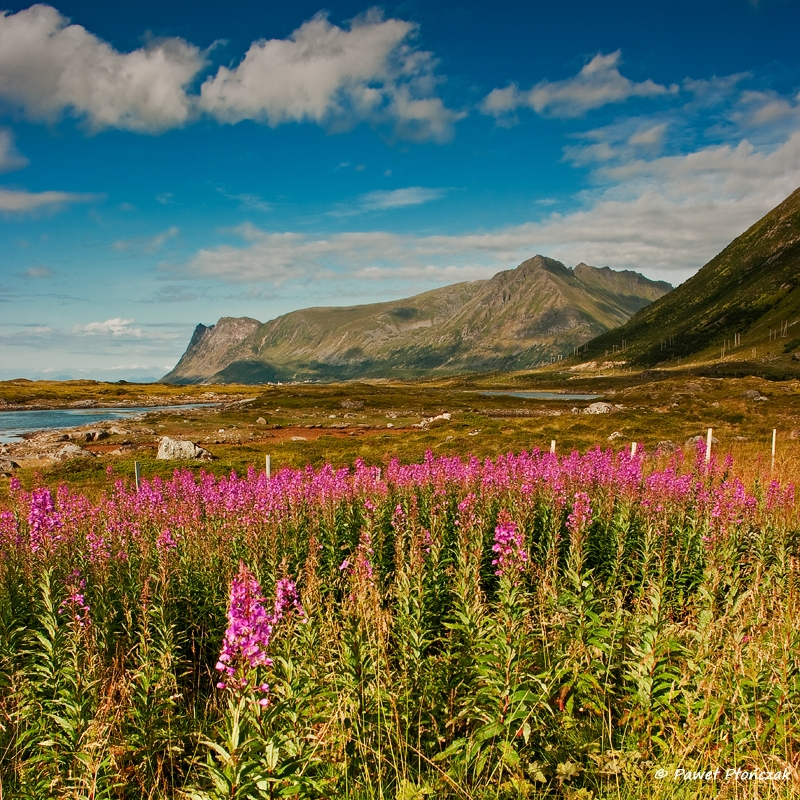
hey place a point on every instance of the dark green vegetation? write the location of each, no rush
(519, 319)
(751, 289)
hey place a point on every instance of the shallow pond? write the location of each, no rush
(544, 395)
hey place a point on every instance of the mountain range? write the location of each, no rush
(518, 319)
(742, 306)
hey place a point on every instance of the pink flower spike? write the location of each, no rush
(509, 545)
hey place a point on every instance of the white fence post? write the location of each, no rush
(774, 437)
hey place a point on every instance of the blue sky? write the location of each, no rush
(167, 163)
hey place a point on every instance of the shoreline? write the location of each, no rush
(12, 439)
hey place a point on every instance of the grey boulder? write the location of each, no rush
(69, 451)
(93, 435)
(598, 408)
(181, 450)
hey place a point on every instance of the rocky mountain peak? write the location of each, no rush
(517, 319)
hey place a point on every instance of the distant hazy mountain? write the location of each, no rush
(750, 289)
(520, 318)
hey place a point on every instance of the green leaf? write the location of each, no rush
(489, 731)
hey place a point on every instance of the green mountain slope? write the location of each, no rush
(744, 305)
(519, 318)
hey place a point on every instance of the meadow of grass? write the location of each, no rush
(307, 424)
(526, 626)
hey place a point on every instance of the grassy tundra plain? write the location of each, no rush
(436, 610)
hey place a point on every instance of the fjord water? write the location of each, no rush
(13, 424)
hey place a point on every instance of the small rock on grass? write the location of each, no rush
(700, 438)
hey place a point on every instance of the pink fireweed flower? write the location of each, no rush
(165, 542)
(358, 566)
(423, 543)
(466, 511)
(44, 522)
(509, 547)
(580, 517)
(9, 531)
(287, 600)
(399, 517)
(250, 629)
(75, 603)
(98, 547)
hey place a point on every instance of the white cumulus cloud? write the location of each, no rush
(49, 67)
(335, 76)
(597, 84)
(322, 73)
